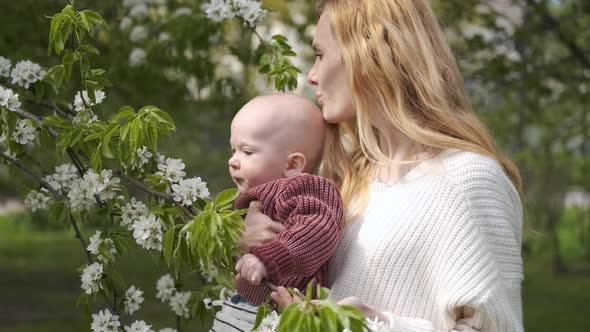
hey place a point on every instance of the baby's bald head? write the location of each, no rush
(288, 123)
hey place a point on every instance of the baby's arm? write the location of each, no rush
(250, 268)
(313, 218)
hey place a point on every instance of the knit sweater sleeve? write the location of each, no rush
(482, 274)
(313, 213)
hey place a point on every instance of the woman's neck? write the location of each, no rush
(398, 148)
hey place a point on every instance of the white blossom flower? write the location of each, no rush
(165, 288)
(139, 11)
(37, 200)
(125, 23)
(26, 72)
(85, 118)
(164, 37)
(105, 322)
(131, 212)
(91, 278)
(83, 191)
(143, 156)
(133, 299)
(5, 65)
(375, 325)
(96, 241)
(210, 274)
(10, 153)
(139, 326)
(218, 10)
(63, 177)
(131, 3)
(250, 11)
(270, 322)
(137, 57)
(138, 34)
(9, 99)
(180, 11)
(168, 329)
(24, 132)
(208, 303)
(179, 303)
(187, 191)
(148, 232)
(172, 170)
(79, 105)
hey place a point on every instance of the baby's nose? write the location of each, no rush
(233, 162)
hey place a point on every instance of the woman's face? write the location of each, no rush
(329, 76)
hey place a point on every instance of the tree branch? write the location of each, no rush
(31, 116)
(47, 186)
(554, 23)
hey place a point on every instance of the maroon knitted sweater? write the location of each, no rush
(311, 210)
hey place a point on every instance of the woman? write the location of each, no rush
(433, 236)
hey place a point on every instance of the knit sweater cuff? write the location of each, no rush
(277, 259)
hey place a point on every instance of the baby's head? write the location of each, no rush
(274, 137)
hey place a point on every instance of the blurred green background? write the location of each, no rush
(526, 63)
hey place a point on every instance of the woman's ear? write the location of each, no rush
(295, 164)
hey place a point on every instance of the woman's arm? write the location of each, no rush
(258, 228)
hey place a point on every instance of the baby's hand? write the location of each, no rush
(250, 268)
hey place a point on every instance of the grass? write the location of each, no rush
(39, 285)
(40, 282)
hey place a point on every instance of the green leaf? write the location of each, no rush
(59, 212)
(225, 197)
(280, 38)
(55, 76)
(118, 281)
(89, 48)
(95, 18)
(96, 159)
(168, 245)
(262, 312)
(57, 121)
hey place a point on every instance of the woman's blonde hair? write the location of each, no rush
(400, 70)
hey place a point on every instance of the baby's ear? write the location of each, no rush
(295, 164)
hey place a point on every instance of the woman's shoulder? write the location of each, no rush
(467, 166)
(479, 177)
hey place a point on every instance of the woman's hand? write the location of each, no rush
(258, 228)
(366, 310)
(282, 297)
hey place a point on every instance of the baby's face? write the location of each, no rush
(257, 157)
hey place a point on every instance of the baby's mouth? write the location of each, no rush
(238, 181)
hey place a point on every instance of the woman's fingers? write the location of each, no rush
(282, 297)
(258, 228)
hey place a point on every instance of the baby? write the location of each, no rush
(277, 141)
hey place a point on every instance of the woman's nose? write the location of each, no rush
(312, 77)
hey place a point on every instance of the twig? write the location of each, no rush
(31, 116)
(158, 194)
(20, 165)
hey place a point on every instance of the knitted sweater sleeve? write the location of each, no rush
(313, 214)
(481, 276)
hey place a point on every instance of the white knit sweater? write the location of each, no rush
(439, 250)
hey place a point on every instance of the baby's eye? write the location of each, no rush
(248, 153)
